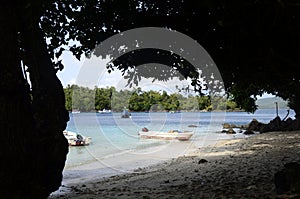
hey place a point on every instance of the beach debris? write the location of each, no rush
(202, 161)
(288, 179)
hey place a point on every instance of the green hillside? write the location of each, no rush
(267, 103)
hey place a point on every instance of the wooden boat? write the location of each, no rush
(75, 139)
(171, 135)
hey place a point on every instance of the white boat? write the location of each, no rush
(104, 111)
(75, 139)
(75, 111)
(174, 111)
(171, 135)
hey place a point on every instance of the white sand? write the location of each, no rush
(236, 168)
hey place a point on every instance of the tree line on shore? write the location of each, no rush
(88, 100)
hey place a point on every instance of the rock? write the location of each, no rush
(202, 161)
(264, 128)
(287, 124)
(290, 125)
(240, 131)
(231, 131)
(254, 125)
(249, 132)
(288, 179)
(275, 124)
(224, 131)
(244, 126)
(226, 126)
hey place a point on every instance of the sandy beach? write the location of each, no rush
(230, 168)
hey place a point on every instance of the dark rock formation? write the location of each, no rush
(201, 161)
(274, 125)
(248, 132)
(254, 125)
(288, 179)
(231, 131)
(227, 126)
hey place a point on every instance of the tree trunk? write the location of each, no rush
(16, 119)
(49, 111)
(296, 107)
(33, 149)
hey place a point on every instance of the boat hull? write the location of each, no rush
(75, 139)
(84, 142)
(184, 136)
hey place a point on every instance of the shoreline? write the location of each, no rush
(236, 168)
(128, 161)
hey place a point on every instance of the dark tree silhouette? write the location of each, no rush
(254, 43)
(34, 149)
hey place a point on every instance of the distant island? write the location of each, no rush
(89, 100)
(269, 103)
(85, 99)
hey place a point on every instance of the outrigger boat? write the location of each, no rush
(75, 139)
(171, 135)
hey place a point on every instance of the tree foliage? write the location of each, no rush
(254, 43)
(97, 99)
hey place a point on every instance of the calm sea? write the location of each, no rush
(112, 135)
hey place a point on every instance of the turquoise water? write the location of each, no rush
(113, 135)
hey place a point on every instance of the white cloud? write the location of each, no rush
(72, 81)
(71, 68)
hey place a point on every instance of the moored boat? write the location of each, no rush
(104, 111)
(125, 114)
(171, 135)
(75, 139)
